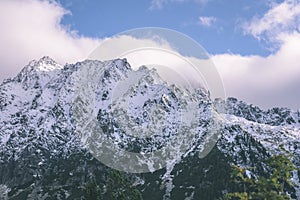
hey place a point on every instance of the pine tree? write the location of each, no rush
(92, 191)
(274, 187)
(118, 187)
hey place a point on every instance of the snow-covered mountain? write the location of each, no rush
(44, 156)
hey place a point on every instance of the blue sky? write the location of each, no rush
(224, 34)
(255, 45)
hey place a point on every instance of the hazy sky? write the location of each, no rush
(255, 45)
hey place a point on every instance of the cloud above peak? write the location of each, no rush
(281, 18)
(271, 81)
(31, 29)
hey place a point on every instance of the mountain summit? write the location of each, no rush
(44, 156)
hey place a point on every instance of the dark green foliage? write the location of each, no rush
(275, 186)
(200, 178)
(209, 176)
(117, 187)
(92, 191)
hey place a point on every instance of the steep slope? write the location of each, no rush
(42, 156)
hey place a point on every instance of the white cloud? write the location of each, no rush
(159, 4)
(265, 81)
(207, 21)
(283, 17)
(31, 29)
(155, 50)
(273, 80)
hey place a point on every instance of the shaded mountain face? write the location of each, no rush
(44, 156)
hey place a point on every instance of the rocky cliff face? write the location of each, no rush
(42, 156)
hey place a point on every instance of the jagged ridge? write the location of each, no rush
(38, 139)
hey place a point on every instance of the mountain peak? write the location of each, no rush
(139, 113)
(38, 72)
(46, 64)
(46, 59)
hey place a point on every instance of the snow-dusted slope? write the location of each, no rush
(39, 144)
